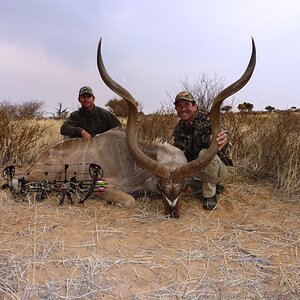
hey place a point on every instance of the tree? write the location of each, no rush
(26, 110)
(204, 89)
(249, 106)
(269, 108)
(226, 108)
(60, 113)
(119, 107)
(241, 107)
(30, 109)
(245, 107)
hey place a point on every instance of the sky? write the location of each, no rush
(48, 49)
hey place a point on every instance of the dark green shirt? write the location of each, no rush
(96, 121)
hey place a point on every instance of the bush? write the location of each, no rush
(17, 135)
(25, 110)
(119, 107)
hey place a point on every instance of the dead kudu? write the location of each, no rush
(130, 167)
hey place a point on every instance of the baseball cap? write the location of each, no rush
(86, 90)
(184, 95)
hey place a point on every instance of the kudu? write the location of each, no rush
(130, 167)
(171, 175)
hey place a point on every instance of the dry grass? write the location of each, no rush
(159, 125)
(246, 249)
(267, 147)
(22, 140)
(49, 137)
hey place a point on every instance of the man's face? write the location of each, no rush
(87, 101)
(186, 110)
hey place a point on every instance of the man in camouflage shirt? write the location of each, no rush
(88, 120)
(192, 135)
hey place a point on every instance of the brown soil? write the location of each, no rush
(248, 248)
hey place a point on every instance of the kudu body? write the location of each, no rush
(109, 150)
(130, 167)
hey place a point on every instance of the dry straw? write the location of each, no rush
(246, 249)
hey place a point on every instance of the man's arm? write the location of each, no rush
(70, 127)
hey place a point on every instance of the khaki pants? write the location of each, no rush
(216, 168)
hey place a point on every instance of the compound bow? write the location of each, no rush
(65, 188)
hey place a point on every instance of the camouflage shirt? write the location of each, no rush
(195, 137)
(98, 120)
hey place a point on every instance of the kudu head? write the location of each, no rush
(172, 178)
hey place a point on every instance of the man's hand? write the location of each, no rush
(222, 138)
(85, 134)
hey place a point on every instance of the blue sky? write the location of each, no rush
(48, 48)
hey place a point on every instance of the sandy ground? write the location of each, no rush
(248, 248)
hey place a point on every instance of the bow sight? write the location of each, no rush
(81, 189)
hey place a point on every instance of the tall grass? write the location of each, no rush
(265, 146)
(21, 140)
(157, 126)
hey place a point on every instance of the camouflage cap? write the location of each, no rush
(184, 96)
(86, 90)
